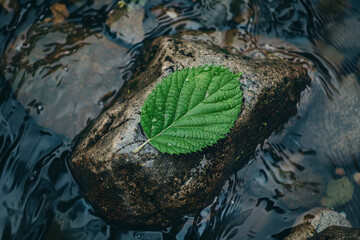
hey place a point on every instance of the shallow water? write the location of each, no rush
(290, 170)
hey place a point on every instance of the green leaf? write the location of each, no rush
(191, 109)
(339, 192)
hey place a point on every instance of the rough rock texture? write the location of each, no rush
(321, 218)
(315, 221)
(306, 231)
(301, 232)
(338, 233)
(155, 189)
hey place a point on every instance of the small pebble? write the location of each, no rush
(356, 177)
(171, 14)
(340, 171)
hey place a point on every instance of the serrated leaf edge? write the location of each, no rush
(157, 135)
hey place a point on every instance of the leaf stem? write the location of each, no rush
(141, 146)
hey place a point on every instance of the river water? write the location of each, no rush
(46, 99)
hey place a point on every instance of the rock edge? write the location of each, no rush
(151, 189)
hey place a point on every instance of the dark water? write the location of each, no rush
(290, 170)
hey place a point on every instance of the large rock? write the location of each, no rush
(155, 189)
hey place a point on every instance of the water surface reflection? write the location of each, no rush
(289, 172)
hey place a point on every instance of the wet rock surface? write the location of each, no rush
(339, 133)
(9, 5)
(321, 218)
(315, 221)
(64, 74)
(126, 22)
(151, 189)
(338, 233)
(306, 231)
(301, 232)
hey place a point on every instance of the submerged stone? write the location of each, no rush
(9, 5)
(127, 23)
(64, 74)
(152, 189)
(320, 219)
